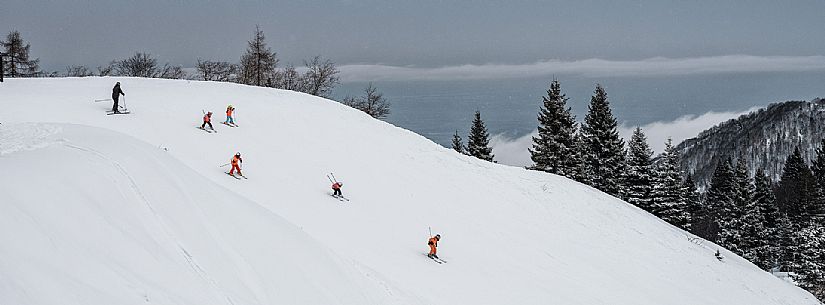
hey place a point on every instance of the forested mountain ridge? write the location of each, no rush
(764, 138)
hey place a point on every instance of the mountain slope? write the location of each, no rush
(90, 216)
(511, 236)
(765, 138)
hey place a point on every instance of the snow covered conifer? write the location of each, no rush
(580, 170)
(458, 144)
(811, 258)
(640, 172)
(17, 62)
(797, 194)
(553, 147)
(761, 233)
(604, 149)
(478, 142)
(720, 198)
(693, 204)
(668, 198)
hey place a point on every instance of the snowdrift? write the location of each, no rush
(510, 236)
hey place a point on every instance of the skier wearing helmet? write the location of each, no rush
(336, 189)
(433, 243)
(230, 120)
(207, 120)
(236, 162)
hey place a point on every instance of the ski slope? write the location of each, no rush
(510, 236)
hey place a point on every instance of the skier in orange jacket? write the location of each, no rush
(207, 120)
(433, 243)
(236, 161)
(230, 120)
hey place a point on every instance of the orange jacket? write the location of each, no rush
(235, 160)
(207, 118)
(433, 241)
(229, 111)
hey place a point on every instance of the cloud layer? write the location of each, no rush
(514, 151)
(589, 67)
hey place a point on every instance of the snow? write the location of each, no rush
(135, 209)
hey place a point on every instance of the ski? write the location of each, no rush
(230, 125)
(122, 112)
(207, 130)
(435, 259)
(336, 197)
(233, 176)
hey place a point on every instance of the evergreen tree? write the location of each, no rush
(763, 240)
(640, 172)
(580, 170)
(787, 233)
(811, 259)
(719, 202)
(259, 62)
(732, 221)
(818, 165)
(478, 142)
(669, 203)
(604, 149)
(554, 146)
(17, 62)
(798, 195)
(693, 204)
(458, 145)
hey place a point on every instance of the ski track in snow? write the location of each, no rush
(134, 186)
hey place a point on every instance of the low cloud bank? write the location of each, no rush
(513, 151)
(657, 66)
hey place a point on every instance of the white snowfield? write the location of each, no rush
(135, 209)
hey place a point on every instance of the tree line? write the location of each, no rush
(258, 66)
(777, 227)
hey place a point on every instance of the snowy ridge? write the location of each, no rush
(511, 236)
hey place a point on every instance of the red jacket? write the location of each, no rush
(207, 118)
(336, 185)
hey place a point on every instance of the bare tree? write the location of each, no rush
(259, 63)
(221, 71)
(17, 53)
(78, 71)
(373, 102)
(106, 70)
(171, 72)
(139, 65)
(289, 79)
(321, 76)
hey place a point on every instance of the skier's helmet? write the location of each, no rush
(238, 154)
(438, 236)
(230, 106)
(209, 113)
(118, 83)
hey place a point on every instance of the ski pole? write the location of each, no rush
(333, 177)
(103, 100)
(224, 165)
(430, 230)
(330, 179)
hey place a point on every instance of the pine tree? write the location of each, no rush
(553, 147)
(798, 195)
(818, 165)
(764, 244)
(478, 142)
(604, 149)
(720, 196)
(640, 172)
(458, 145)
(259, 62)
(580, 170)
(669, 203)
(18, 63)
(733, 222)
(811, 259)
(693, 204)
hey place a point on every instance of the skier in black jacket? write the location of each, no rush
(116, 92)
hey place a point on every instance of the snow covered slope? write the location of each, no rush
(510, 236)
(90, 216)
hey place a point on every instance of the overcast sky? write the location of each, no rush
(418, 33)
